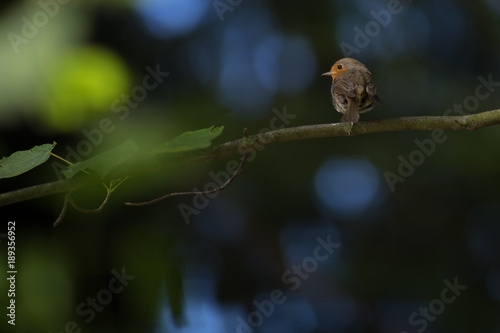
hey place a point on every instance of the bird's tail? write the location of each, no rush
(351, 115)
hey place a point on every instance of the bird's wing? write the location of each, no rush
(344, 84)
(371, 89)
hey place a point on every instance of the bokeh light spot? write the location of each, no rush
(172, 18)
(347, 186)
(239, 87)
(284, 63)
(83, 85)
(266, 61)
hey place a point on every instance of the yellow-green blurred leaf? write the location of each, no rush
(84, 85)
(106, 161)
(190, 140)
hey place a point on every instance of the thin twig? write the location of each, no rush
(68, 199)
(60, 158)
(63, 211)
(66, 161)
(90, 211)
(223, 186)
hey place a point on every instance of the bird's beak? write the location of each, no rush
(327, 74)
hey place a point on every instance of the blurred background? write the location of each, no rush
(313, 237)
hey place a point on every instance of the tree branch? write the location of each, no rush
(241, 146)
(176, 194)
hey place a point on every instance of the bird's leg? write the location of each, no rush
(349, 131)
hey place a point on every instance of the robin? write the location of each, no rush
(353, 91)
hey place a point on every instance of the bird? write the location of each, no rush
(353, 91)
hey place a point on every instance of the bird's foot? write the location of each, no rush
(349, 131)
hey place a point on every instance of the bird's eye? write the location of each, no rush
(339, 66)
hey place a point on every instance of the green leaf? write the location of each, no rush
(25, 160)
(104, 162)
(189, 141)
